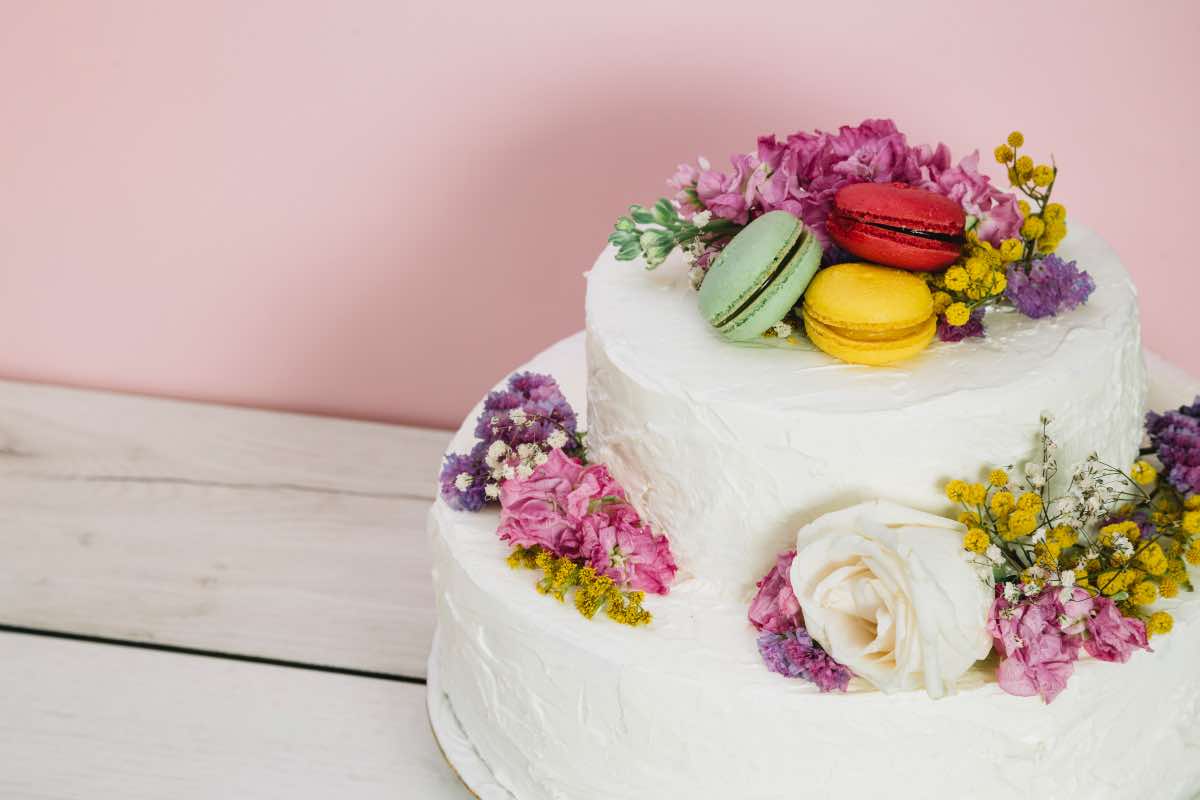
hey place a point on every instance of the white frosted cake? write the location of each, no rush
(766, 494)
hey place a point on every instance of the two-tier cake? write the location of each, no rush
(785, 570)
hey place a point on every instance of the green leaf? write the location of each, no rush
(665, 214)
(641, 215)
(629, 251)
(624, 224)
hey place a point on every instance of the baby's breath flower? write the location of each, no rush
(1011, 593)
(782, 329)
(496, 453)
(463, 481)
(702, 218)
(492, 490)
(995, 554)
(557, 439)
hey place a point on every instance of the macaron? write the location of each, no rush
(759, 277)
(897, 225)
(868, 314)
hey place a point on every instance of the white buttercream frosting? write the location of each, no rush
(561, 708)
(729, 448)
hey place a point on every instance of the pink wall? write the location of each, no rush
(376, 208)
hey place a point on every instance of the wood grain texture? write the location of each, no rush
(277, 535)
(84, 721)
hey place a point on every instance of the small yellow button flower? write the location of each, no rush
(1062, 536)
(1032, 228)
(1054, 212)
(976, 541)
(977, 267)
(1030, 502)
(969, 518)
(956, 491)
(998, 478)
(1191, 522)
(1004, 154)
(1043, 175)
(941, 302)
(1011, 249)
(1192, 554)
(1024, 167)
(1143, 473)
(1168, 587)
(976, 494)
(1192, 503)
(1144, 593)
(1152, 557)
(1023, 205)
(956, 279)
(1159, 622)
(1003, 504)
(1022, 522)
(1016, 139)
(958, 314)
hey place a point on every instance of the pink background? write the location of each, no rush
(376, 209)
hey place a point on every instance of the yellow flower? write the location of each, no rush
(1159, 622)
(1168, 587)
(1003, 154)
(1032, 228)
(1191, 522)
(1143, 473)
(1011, 249)
(1129, 529)
(977, 267)
(1047, 247)
(1024, 206)
(1192, 503)
(1062, 536)
(1003, 504)
(958, 314)
(1114, 581)
(956, 279)
(1144, 593)
(1024, 167)
(940, 301)
(1030, 501)
(1055, 232)
(1022, 522)
(1043, 175)
(1016, 139)
(956, 491)
(1192, 554)
(1177, 571)
(1152, 557)
(976, 541)
(976, 494)
(1054, 212)
(969, 518)
(998, 478)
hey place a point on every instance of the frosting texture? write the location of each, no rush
(730, 448)
(562, 708)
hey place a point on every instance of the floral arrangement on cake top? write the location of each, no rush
(560, 514)
(906, 600)
(862, 195)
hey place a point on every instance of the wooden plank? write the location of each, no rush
(62, 435)
(278, 535)
(91, 722)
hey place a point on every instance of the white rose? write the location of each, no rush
(890, 593)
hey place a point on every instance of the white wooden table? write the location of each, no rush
(206, 602)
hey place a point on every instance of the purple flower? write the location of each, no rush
(615, 542)
(795, 655)
(775, 608)
(1175, 436)
(1112, 636)
(956, 333)
(1048, 287)
(463, 479)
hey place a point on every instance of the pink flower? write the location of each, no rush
(545, 508)
(594, 485)
(775, 607)
(1112, 636)
(726, 195)
(997, 212)
(616, 543)
(1034, 639)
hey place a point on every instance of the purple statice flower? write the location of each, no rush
(463, 480)
(1175, 436)
(956, 333)
(1048, 287)
(795, 655)
(541, 404)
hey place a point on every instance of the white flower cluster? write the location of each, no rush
(506, 462)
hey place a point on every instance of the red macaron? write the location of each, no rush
(897, 225)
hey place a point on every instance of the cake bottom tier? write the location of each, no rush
(562, 708)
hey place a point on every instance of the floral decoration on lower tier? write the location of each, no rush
(862, 195)
(909, 600)
(560, 514)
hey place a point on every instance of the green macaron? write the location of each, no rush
(759, 276)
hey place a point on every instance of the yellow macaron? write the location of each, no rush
(868, 314)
